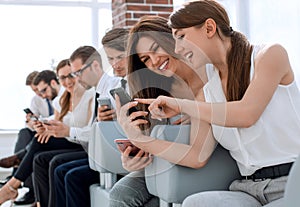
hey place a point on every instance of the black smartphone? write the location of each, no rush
(105, 102)
(27, 111)
(124, 99)
(123, 95)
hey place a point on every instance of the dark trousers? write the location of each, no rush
(25, 136)
(44, 165)
(72, 181)
(26, 166)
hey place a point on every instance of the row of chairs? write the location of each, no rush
(171, 183)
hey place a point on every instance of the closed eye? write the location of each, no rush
(180, 37)
(155, 48)
(144, 59)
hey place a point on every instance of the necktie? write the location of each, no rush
(50, 109)
(123, 83)
(96, 104)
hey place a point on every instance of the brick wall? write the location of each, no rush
(126, 12)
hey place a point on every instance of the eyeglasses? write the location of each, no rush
(80, 71)
(63, 78)
(44, 90)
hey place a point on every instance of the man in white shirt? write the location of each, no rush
(90, 73)
(48, 86)
(88, 69)
(39, 107)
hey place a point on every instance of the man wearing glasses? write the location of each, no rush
(39, 107)
(48, 85)
(86, 65)
(114, 43)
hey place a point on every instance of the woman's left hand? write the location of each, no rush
(129, 123)
(44, 136)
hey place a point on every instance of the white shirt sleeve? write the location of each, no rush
(80, 134)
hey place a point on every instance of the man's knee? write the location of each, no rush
(40, 160)
(59, 172)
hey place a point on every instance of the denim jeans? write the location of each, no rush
(131, 191)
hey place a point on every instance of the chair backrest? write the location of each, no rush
(292, 189)
(103, 153)
(173, 183)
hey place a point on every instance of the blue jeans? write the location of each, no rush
(131, 191)
(72, 181)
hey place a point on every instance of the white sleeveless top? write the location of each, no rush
(274, 139)
(79, 116)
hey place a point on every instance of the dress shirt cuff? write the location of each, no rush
(73, 134)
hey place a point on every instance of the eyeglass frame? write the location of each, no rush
(80, 71)
(63, 77)
(43, 91)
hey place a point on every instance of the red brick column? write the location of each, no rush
(126, 12)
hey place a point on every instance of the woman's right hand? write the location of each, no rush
(38, 127)
(162, 107)
(138, 162)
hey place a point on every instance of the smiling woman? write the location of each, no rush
(31, 43)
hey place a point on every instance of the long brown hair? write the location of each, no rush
(143, 82)
(65, 99)
(238, 58)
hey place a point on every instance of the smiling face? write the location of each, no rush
(191, 44)
(155, 57)
(66, 79)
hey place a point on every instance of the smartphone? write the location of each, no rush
(27, 111)
(124, 143)
(105, 102)
(34, 118)
(124, 99)
(123, 95)
(44, 121)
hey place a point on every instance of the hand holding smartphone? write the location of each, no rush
(124, 99)
(32, 116)
(105, 102)
(28, 111)
(44, 121)
(124, 143)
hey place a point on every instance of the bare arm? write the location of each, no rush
(272, 68)
(195, 154)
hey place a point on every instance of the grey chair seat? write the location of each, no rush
(173, 183)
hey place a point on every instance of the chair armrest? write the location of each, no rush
(103, 153)
(292, 189)
(173, 183)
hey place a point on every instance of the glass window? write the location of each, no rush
(36, 38)
(277, 22)
(266, 22)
